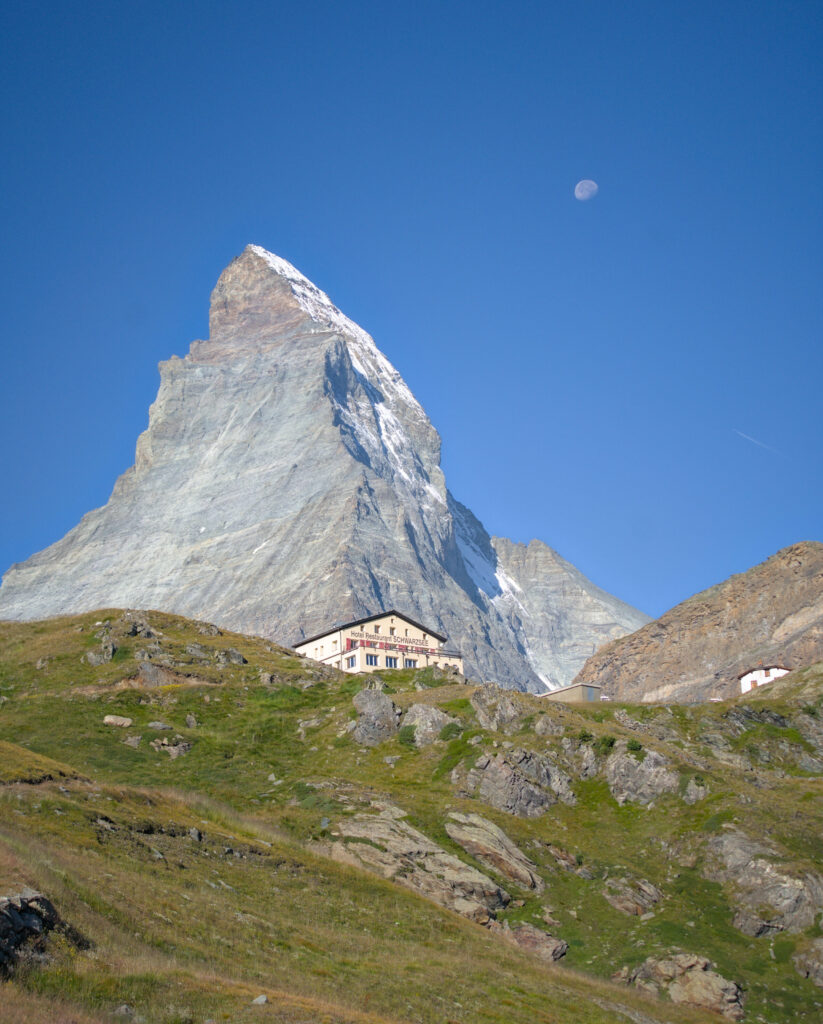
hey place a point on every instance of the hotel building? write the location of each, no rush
(387, 640)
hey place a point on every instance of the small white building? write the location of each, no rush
(383, 641)
(754, 677)
(576, 693)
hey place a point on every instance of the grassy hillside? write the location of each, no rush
(199, 847)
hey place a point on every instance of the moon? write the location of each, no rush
(585, 189)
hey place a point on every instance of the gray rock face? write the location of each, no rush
(289, 480)
(520, 782)
(768, 899)
(377, 718)
(386, 844)
(484, 841)
(639, 781)
(497, 710)
(427, 721)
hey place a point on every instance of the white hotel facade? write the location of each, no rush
(388, 640)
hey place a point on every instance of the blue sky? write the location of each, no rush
(634, 380)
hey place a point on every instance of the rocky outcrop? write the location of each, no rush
(687, 979)
(497, 710)
(809, 962)
(299, 484)
(490, 845)
(632, 896)
(772, 614)
(519, 782)
(26, 919)
(428, 723)
(541, 944)
(386, 844)
(639, 780)
(99, 656)
(377, 718)
(176, 747)
(768, 898)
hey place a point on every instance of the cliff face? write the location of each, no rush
(772, 614)
(289, 480)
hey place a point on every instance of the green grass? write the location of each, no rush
(184, 930)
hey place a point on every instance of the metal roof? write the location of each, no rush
(371, 618)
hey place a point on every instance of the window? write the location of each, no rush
(424, 638)
(407, 632)
(410, 662)
(391, 630)
(371, 659)
(377, 628)
(391, 662)
(351, 662)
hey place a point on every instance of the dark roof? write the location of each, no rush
(370, 618)
(763, 668)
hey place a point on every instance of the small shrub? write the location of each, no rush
(450, 731)
(604, 744)
(578, 859)
(406, 735)
(585, 736)
(809, 709)
(635, 746)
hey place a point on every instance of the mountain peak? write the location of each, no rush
(298, 482)
(260, 294)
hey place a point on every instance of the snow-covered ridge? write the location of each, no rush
(323, 311)
(372, 367)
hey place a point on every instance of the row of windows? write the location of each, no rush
(373, 661)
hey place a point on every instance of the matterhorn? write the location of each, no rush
(289, 480)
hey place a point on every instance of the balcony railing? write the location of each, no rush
(380, 645)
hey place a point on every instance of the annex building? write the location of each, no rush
(386, 640)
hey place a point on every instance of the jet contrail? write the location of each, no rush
(754, 440)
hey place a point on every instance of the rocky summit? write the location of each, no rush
(770, 615)
(289, 480)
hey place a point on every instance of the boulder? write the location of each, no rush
(548, 725)
(536, 941)
(639, 781)
(768, 898)
(25, 921)
(632, 896)
(377, 718)
(488, 844)
(694, 791)
(386, 844)
(230, 656)
(117, 720)
(174, 748)
(427, 721)
(104, 653)
(520, 782)
(688, 979)
(497, 709)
